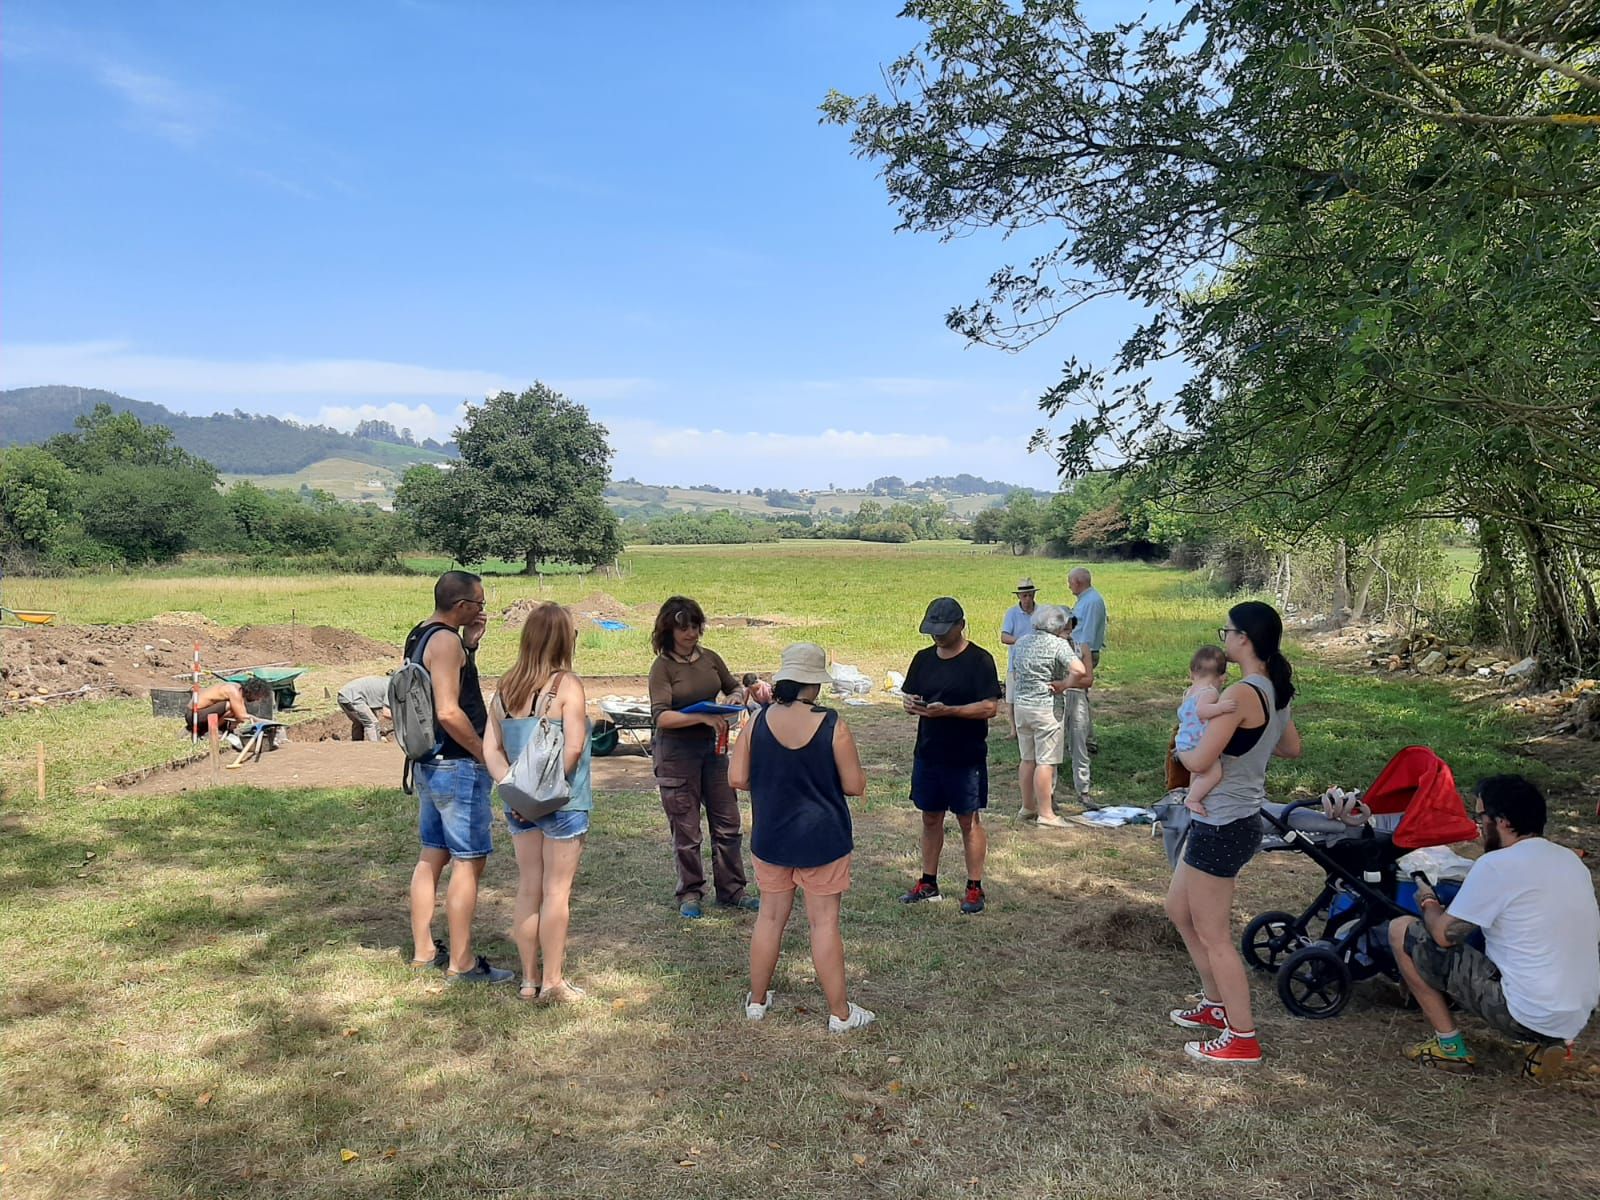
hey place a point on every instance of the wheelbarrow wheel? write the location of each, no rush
(1314, 982)
(603, 738)
(1269, 939)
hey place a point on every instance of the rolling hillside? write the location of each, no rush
(235, 443)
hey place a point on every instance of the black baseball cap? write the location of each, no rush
(943, 615)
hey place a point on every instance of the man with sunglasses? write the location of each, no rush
(453, 810)
(1537, 980)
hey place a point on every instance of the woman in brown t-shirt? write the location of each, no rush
(691, 758)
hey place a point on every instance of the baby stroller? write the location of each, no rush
(1413, 803)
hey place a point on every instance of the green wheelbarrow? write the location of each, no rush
(280, 679)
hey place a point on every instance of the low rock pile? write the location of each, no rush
(1574, 709)
(1429, 654)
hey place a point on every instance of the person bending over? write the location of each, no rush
(227, 702)
(1537, 980)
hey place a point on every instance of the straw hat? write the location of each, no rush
(1025, 584)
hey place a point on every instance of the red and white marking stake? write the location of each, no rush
(194, 698)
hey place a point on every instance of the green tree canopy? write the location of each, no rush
(1366, 229)
(530, 485)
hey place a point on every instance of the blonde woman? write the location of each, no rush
(542, 682)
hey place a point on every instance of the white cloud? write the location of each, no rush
(157, 103)
(117, 366)
(423, 420)
(660, 454)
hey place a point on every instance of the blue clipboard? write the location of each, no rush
(707, 706)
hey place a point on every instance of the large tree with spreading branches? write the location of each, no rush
(1366, 227)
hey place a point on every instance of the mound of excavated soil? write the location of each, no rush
(129, 660)
(596, 606)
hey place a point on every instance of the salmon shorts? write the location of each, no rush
(830, 879)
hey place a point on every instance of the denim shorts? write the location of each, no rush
(959, 790)
(453, 811)
(560, 826)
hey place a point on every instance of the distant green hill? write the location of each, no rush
(235, 443)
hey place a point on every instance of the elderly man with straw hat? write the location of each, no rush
(1017, 625)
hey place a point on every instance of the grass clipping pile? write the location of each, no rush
(129, 660)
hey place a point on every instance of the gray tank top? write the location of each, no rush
(1243, 789)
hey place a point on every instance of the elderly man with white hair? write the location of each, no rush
(1089, 636)
(1046, 667)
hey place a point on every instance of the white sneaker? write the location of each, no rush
(754, 1011)
(234, 741)
(859, 1018)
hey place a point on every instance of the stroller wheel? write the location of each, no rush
(1314, 982)
(1269, 939)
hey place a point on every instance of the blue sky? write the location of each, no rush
(390, 207)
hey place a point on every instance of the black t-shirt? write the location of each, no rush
(965, 679)
(471, 700)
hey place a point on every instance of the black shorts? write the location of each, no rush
(1222, 850)
(197, 719)
(938, 788)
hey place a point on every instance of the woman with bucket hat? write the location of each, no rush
(799, 763)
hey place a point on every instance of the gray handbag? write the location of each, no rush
(536, 785)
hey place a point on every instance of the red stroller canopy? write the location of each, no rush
(1419, 784)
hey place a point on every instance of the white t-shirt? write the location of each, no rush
(1535, 903)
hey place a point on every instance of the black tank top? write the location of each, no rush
(797, 802)
(471, 700)
(1244, 740)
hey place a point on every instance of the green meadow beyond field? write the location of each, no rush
(205, 994)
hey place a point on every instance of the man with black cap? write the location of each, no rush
(953, 690)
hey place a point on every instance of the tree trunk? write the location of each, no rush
(1369, 575)
(531, 562)
(1340, 608)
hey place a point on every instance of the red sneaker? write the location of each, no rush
(1229, 1047)
(1204, 1015)
(920, 891)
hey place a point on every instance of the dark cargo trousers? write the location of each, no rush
(692, 775)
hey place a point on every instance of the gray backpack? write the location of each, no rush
(537, 785)
(411, 703)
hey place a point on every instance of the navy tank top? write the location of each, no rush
(800, 813)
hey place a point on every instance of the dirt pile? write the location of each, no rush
(129, 660)
(597, 606)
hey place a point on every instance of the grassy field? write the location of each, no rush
(346, 478)
(205, 998)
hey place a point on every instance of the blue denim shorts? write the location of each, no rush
(959, 790)
(453, 811)
(560, 826)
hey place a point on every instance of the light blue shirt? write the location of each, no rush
(1091, 613)
(1019, 625)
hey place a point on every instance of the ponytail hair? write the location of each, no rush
(1261, 624)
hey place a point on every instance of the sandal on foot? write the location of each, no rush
(562, 993)
(528, 990)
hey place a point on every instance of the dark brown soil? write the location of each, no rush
(129, 660)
